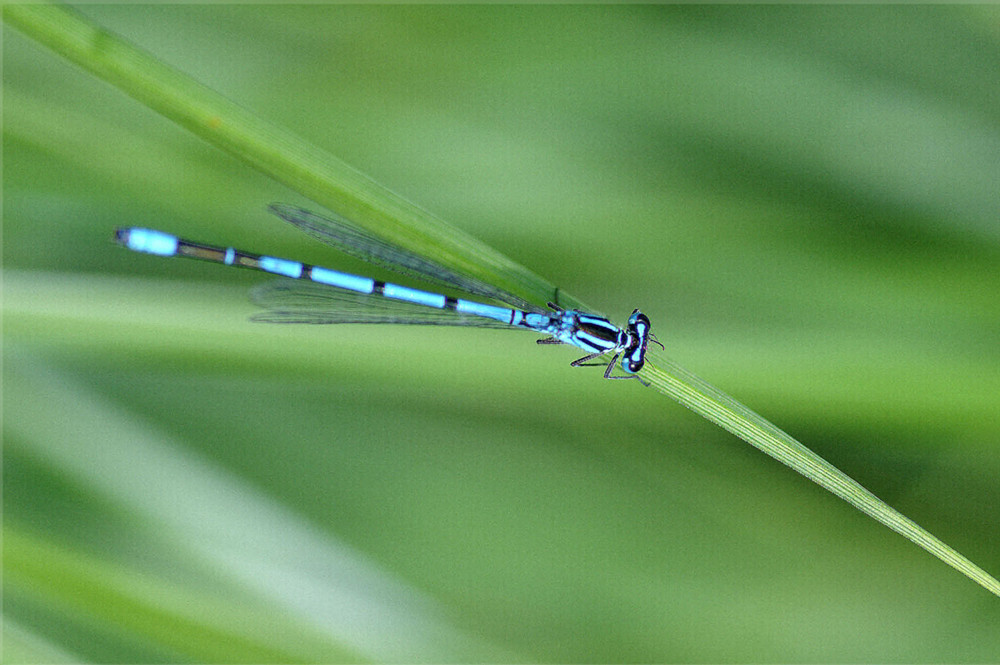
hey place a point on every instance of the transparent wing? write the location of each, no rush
(295, 301)
(359, 243)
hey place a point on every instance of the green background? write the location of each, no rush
(803, 199)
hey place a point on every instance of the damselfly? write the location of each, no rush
(322, 295)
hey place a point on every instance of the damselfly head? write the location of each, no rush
(639, 332)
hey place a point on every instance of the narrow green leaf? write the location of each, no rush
(325, 179)
(710, 402)
(182, 622)
(271, 149)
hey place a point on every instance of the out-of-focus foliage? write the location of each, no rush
(803, 199)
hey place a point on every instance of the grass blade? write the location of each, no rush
(334, 184)
(711, 403)
(271, 149)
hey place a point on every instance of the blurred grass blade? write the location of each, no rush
(305, 595)
(335, 185)
(21, 644)
(271, 149)
(174, 619)
(713, 404)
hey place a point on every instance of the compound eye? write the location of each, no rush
(637, 319)
(634, 359)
